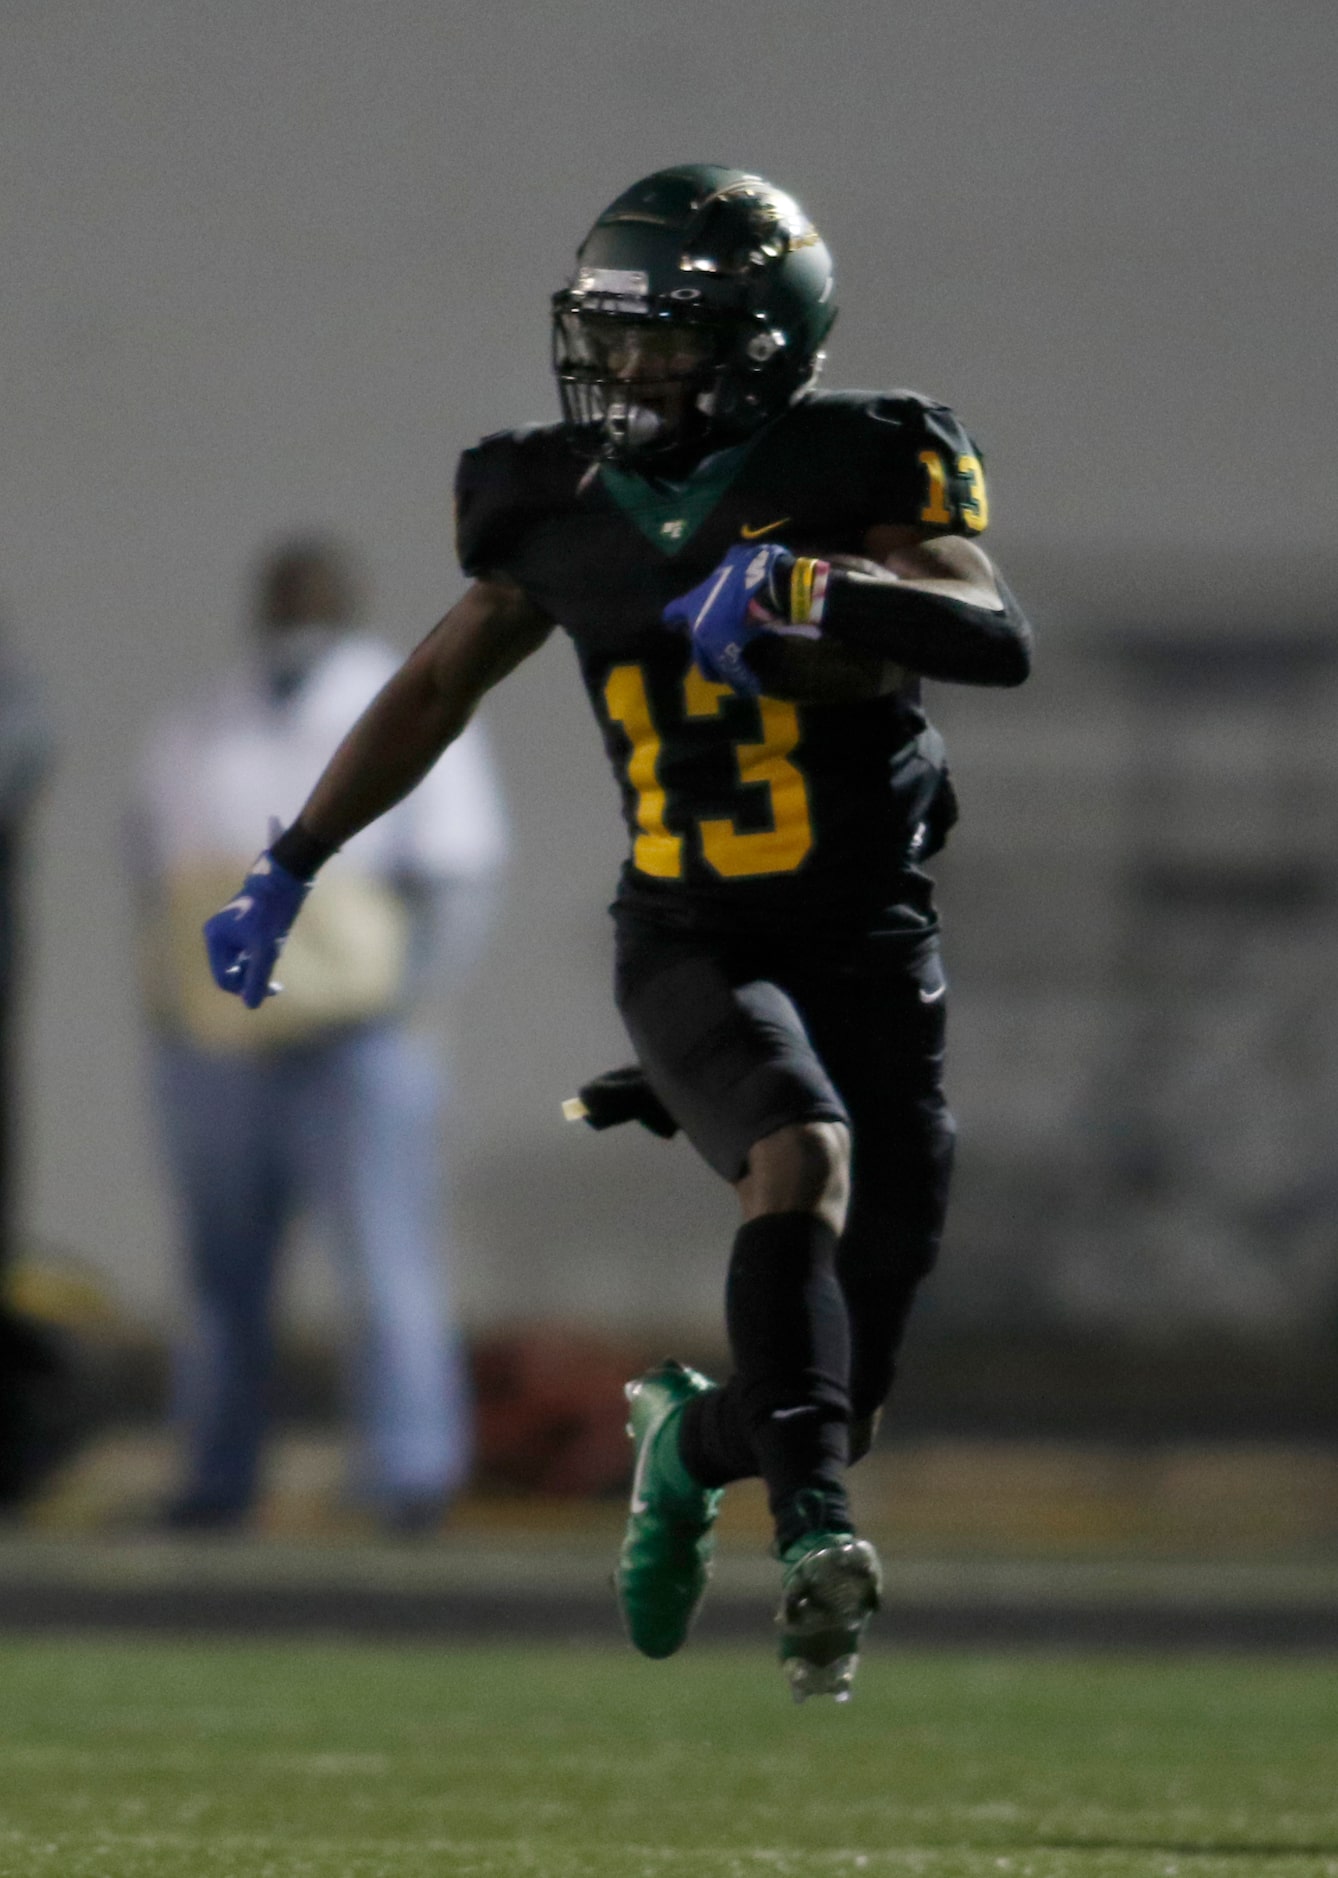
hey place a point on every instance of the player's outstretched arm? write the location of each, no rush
(422, 709)
(393, 745)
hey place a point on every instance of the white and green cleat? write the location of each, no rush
(831, 1588)
(665, 1560)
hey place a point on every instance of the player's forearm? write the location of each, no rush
(383, 758)
(409, 723)
(935, 634)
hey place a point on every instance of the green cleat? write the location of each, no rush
(831, 1588)
(665, 1558)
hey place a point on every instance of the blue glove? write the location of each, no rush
(745, 596)
(245, 937)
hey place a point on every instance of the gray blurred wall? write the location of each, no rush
(274, 264)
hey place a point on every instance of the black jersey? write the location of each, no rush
(741, 810)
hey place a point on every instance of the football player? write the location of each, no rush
(755, 575)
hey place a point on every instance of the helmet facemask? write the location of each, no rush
(637, 389)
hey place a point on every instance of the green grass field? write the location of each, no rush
(139, 1759)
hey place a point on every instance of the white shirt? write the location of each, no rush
(212, 775)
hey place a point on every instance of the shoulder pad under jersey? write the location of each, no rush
(501, 485)
(904, 458)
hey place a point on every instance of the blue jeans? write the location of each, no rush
(349, 1130)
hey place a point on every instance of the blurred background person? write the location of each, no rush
(332, 1106)
(37, 1392)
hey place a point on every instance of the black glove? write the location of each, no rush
(621, 1095)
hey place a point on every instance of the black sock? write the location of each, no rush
(784, 1412)
(713, 1443)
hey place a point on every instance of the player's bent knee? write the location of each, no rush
(801, 1168)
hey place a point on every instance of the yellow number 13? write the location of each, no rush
(732, 853)
(937, 511)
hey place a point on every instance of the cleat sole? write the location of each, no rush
(829, 1597)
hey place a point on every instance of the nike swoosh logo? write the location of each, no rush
(785, 1415)
(639, 1503)
(932, 997)
(752, 534)
(710, 600)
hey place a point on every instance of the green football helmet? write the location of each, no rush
(697, 312)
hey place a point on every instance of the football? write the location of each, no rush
(820, 671)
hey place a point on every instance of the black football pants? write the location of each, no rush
(739, 1037)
